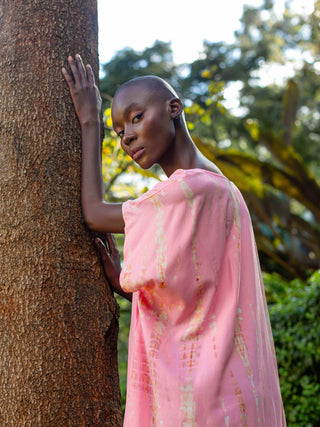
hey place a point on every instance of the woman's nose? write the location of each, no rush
(128, 137)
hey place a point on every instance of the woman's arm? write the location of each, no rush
(99, 215)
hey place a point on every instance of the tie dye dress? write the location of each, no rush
(200, 348)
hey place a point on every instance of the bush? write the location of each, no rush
(294, 315)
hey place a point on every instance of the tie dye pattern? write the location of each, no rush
(200, 348)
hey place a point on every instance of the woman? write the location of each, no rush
(200, 348)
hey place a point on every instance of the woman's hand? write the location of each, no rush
(110, 259)
(84, 92)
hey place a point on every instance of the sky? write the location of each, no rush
(186, 23)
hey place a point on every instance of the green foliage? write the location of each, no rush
(201, 116)
(128, 64)
(294, 315)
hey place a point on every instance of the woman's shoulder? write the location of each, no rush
(195, 178)
(158, 188)
(201, 180)
(197, 173)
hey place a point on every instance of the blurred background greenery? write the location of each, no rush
(267, 141)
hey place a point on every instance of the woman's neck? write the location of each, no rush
(182, 155)
(187, 157)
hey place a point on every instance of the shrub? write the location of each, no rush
(294, 315)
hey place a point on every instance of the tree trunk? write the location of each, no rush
(58, 317)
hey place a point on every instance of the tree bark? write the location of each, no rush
(58, 317)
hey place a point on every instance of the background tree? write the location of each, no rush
(58, 318)
(127, 64)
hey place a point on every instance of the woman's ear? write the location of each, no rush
(176, 108)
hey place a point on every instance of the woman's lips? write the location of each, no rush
(137, 154)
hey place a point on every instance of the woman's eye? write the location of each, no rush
(136, 118)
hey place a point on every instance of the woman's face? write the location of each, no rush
(144, 123)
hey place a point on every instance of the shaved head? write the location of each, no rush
(154, 84)
(154, 87)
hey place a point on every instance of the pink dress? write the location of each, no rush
(200, 349)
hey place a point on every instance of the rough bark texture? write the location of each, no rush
(58, 318)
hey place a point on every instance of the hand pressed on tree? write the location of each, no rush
(110, 259)
(84, 92)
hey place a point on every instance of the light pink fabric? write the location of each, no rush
(200, 349)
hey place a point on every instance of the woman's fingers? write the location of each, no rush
(78, 70)
(112, 244)
(85, 97)
(80, 74)
(90, 75)
(74, 70)
(68, 78)
(81, 69)
(102, 249)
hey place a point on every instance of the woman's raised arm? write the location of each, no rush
(99, 215)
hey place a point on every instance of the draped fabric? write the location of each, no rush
(200, 349)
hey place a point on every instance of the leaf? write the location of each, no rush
(253, 128)
(206, 74)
